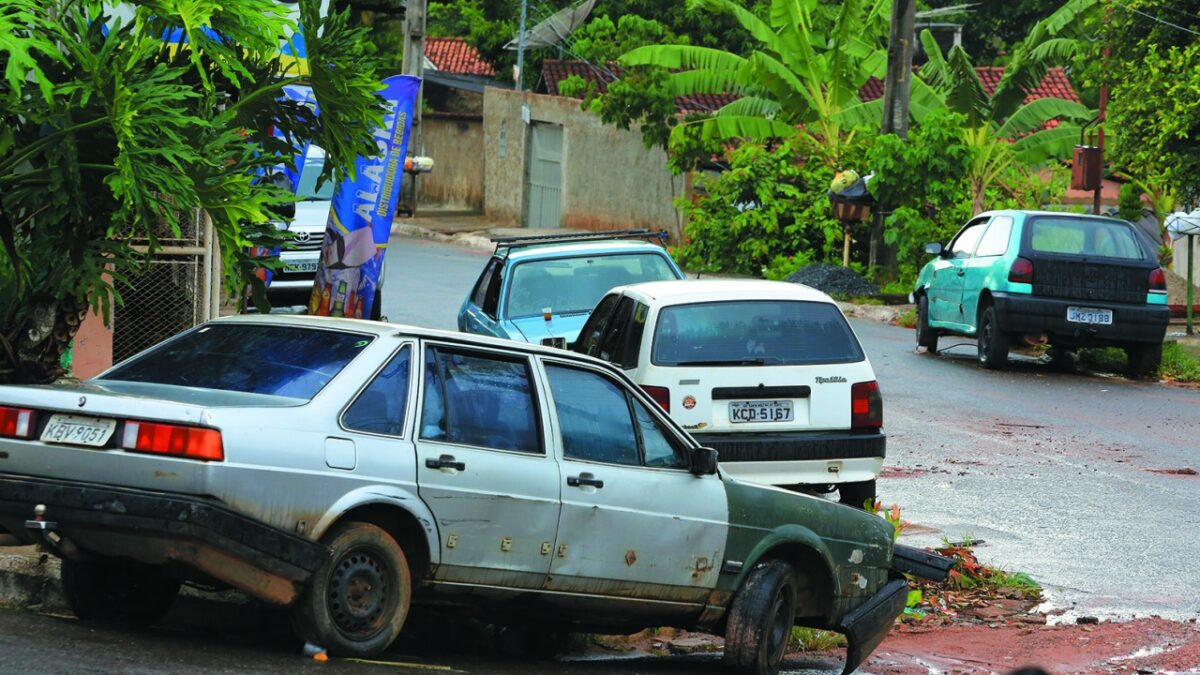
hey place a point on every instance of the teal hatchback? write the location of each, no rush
(1036, 277)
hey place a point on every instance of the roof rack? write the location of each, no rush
(521, 242)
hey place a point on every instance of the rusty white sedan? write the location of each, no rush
(347, 469)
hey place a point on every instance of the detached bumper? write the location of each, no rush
(1131, 322)
(262, 560)
(867, 625)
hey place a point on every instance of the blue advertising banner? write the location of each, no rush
(360, 216)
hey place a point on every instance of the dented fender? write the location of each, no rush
(790, 535)
(389, 495)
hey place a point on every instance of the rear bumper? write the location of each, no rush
(155, 527)
(1131, 322)
(867, 625)
(793, 446)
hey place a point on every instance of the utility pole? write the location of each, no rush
(521, 45)
(414, 64)
(897, 86)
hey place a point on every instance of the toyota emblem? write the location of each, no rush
(302, 237)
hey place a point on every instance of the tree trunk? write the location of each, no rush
(32, 350)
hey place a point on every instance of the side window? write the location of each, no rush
(612, 347)
(658, 447)
(479, 295)
(491, 298)
(593, 330)
(593, 416)
(995, 240)
(964, 244)
(483, 400)
(379, 409)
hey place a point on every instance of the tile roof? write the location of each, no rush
(1055, 84)
(454, 55)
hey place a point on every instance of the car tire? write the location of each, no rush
(760, 620)
(856, 494)
(993, 342)
(1143, 360)
(356, 603)
(1062, 359)
(118, 591)
(926, 336)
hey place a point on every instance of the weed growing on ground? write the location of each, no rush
(907, 318)
(813, 640)
(1179, 363)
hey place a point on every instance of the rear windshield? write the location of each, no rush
(1084, 237)
(760, 332)
(575, 285)
(276, 360)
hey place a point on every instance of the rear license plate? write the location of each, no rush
(75, 430)
(760, 411)
(1090, 315)
(303, 266)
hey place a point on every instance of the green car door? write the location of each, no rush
(987, 267)
(947, 280)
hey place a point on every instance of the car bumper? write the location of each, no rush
(1031, 314)
(267, 562)
(792, 458)
(866, 625)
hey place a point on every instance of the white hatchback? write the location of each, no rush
(768, 373)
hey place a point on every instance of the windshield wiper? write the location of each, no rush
(725, 362)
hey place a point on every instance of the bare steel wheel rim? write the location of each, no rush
(361, 595)
(780, 627)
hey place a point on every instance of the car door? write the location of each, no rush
(635, 523)
(946, 284)
(483, 468)
(478, 313)
(989, 254)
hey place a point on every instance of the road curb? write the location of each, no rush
(29, 580)
(469, 239)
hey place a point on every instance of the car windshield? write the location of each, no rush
(575, 285)
(260, 359)
(753, 333)
(1084, 237)
(308, 190)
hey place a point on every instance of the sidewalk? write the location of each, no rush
(464, 228)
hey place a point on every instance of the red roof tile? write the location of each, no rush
(454, 55)
(1054, 85)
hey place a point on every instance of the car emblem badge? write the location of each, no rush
(302, 237)
(836, 379)
(689, 401)
(82, 401)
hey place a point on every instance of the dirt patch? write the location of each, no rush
(1175, 472)
(901, 472)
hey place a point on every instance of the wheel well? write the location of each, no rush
(985, 300)
(814, 582)
(403, 527)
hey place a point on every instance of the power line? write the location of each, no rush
(1155, 18)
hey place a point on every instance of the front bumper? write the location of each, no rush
(866, 625)
(154, 527)
(1018, 313)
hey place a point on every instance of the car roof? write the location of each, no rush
(1061, 214)
(684, 291)
(381, 329)
(580, 249)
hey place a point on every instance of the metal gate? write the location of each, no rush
(545, 176)
(178, 288)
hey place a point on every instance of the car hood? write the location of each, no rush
(311, 217)
(534, 328)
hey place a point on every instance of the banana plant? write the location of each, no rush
(811, 60)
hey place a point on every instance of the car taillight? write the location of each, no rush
(661, 396)
(866, 406)
(1158, 280)
(1021, 271)
(174, 440)
(16, 422)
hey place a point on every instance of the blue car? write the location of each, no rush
(542, 289)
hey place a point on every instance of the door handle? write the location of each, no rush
(584, 479)
(961, 272)
(445, 462)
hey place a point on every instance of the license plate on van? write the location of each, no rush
(77, 430)
(1090, 315)
(760, 411)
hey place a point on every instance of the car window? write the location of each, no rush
(491, 298)
(593, 417)
(1086, 237)
(483, 400)
(964, 244)
(575, 285)
(995, 240)
(261, 359)
(753, 332)
(479, 293)
(380, 407)
(597, 323)
(612, 346)
(657, 447)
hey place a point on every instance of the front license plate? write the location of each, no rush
(1090, 315)
(304, 266)
(76, 430)
(760, 411)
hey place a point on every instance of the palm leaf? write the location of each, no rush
(801, 101)
(749, 106)
(1055, 51)
(868, 114)
(691, 82)
(965, 94)
(935, 71)
(726, 128)
(1036, 113)
(1046, 145)
(689, 57)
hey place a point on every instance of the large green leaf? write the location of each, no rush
(748, 20)
(25, 33)
(1036, 113)
(867, 115)
(691, 82)
(935, 71)
(726, 128)
(749, 106)
(1055, 51)
(675, 57)
(1048, 144)
(802, 99)
(965, 94)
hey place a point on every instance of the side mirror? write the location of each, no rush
(559, 342)
(704, 461)
(933, 249)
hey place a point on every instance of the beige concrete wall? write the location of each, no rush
(1179, 264)
(610, 180)
(455, 142)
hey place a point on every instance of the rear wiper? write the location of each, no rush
(726, 362)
